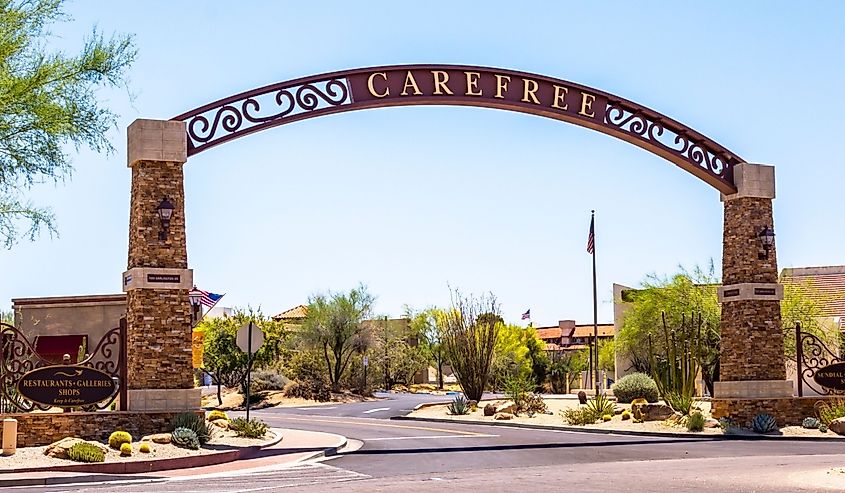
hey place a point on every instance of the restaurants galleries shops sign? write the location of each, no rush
(66, 386)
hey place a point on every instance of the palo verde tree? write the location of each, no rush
(334, 327)
(395, 351)
(47, 102)
(471, 329)
(430, 325)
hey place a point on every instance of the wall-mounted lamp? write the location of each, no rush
(195, 297)
(165, 212)
(767, 241)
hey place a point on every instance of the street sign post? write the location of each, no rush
(249, 338)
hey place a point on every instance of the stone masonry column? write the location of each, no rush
(157, 281)
(751, 364)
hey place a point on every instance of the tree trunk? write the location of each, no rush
(440, 374)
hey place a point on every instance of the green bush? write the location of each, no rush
(185, 438)
(86, 452)
(196, 423)
(263, 380)
(459, 406)
(830, 410)
(314, 389)
(126, 449)
(118, 438)
(633, 386)
(578, 416)
(217, 414)
(254, 428)
(695, 421)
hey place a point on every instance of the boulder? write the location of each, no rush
(508, 407)
(503, 416)
(157, 438)
(59, 449)
(652, 412)
(837, 426)
(582, 397)
(712, 423)
(472, 404)
(221, 423)
(489, 409)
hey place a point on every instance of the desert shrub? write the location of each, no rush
(459, 406)
(830, 410)
(118, 438)
(599, 406)
(195, 423)
(635, 385)
(86, 452)
(695, 421)
(126, 449)
(185, 438)
(145, 448)
(534, 404)
(517, 388)
(254, 428)
(314, 389)
(626, 415)
(217, 414)
(262, 380)
(578, 416)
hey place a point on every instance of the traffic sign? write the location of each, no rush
(243, 337)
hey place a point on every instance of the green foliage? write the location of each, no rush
(217, 414)
(185, 438)
(429, 324)
(519, 388)
(635, 385)
(194, 422)
(607, 355)
(86, 452)
(145, 448)
(803, 302)
(270, 379)
(565, 367)
(518, 352)
(118, 438)
(459, 406)
(578, 416)
(695, 421)
(126, 449)
(334, 327)
(394, 352)
(48, 105)
(471, 330)
(254, 428)
(764, 423)
(830, 410)
(676, 370)
(626, 415)
(312, 389)
(601, 405)
(810, 423)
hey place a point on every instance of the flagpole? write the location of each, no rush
(595, 310)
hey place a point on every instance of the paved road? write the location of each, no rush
(417, 456)
(388, 405)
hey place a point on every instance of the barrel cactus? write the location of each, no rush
(810, 423)
(118, 438)
(185, 438)
(86, 452)
(764, 423)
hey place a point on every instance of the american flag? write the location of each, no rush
(527, 315)
(591, 238)
(206, 298)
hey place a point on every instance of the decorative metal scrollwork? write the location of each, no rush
(812, 355)
(262, 108)
(18, 357)
(675, 139)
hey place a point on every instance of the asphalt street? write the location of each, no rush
(422, 456)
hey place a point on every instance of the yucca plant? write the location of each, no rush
(600, 405)
(459, 406)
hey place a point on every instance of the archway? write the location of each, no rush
(158, 279)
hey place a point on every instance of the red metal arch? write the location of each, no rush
(406, 85)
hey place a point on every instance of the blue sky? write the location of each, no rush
(412, 200)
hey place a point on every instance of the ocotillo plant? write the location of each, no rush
(677, 370)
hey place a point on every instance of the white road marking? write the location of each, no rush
(427, 436)
(370, 411)
(314, 408)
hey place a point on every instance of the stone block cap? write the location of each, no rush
(753, 180)
(156, 140)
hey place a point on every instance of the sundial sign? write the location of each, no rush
(831, 376)
(66, 386)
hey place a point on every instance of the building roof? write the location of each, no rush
(549, 332)
(296, 313)
(827, 286)
(604, 330)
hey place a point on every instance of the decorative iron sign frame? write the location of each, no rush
(812, 356)
(408, 85)
(18, 358)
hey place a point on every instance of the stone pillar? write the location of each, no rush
(158, 313)
(751, 364)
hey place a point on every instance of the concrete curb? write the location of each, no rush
(604, 431)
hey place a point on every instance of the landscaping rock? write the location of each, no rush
(221, 423)
(837, 426)
(654, 412)
(157, 438)
(712, 423)
(508, 407)
(59, 449)
(489, 409)
(582, 397)
(503, 416)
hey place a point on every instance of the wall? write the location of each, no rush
(91, 315)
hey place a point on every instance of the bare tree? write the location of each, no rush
(471, 329)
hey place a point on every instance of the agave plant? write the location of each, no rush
(764, 423)
(600, 405)
(459, 406)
